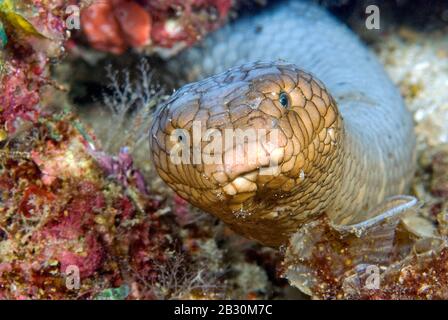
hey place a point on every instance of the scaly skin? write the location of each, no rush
(342, 147)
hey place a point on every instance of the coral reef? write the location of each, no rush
(33, 34)
(62, 208)
(391, 260)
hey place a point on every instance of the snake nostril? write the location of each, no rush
(180, 136)
(284, 99)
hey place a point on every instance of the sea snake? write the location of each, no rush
(346, 141)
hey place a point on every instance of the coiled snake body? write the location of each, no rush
(346, 140)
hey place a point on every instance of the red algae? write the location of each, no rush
(25, 59)
(79, 218)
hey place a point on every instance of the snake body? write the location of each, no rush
(346, 138)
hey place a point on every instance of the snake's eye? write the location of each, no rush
(283, 98)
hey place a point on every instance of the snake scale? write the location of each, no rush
(346, 139)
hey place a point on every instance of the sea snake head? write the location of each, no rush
(256, 146)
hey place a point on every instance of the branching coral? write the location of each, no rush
(178, 279)
(129, 106)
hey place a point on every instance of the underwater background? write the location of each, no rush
(83, 214)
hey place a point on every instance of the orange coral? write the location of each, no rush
(135, 23)
(115, 25)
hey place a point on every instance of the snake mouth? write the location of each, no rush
(247, 165)
(244, 183)
(251, 157)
